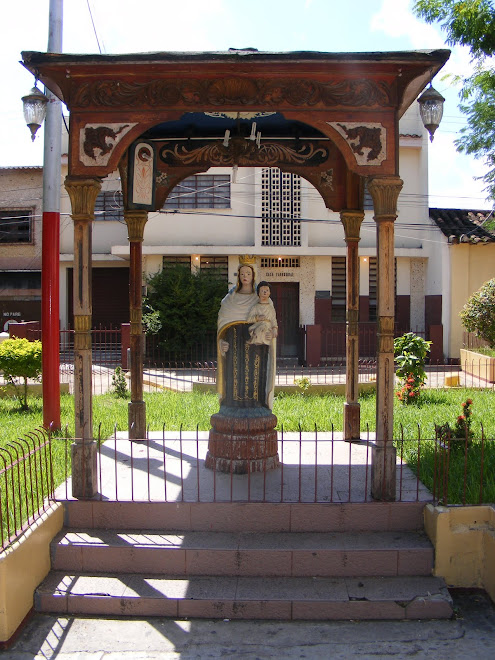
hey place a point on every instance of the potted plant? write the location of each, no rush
(478, 317)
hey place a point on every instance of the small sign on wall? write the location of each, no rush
(280, 274)
(142, 169)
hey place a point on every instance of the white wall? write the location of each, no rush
(237, 231)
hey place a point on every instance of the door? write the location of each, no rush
(110, 296)
(285, 298)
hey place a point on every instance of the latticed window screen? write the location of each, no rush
(201, 191)
(373, 287)
(169, 261)
(218, 265)
(372, 290)
(109, 205)
(338, 289)
(279, 262)
(280, 208)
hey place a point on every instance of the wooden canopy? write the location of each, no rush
(333, 118)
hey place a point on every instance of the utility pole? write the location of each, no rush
(50, 269)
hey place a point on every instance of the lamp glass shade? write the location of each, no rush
(34, 106)
(431, 109)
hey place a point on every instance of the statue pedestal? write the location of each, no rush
(243, 440)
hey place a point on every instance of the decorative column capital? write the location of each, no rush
(385, 332)
(82, 194)
(82, 332)
(384, 191)
(135, 220)
(351, 221)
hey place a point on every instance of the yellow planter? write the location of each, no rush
(479, 365)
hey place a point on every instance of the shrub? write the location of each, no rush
(119, 383)
(461, 430)
(181, 306)
(478, 314)
(411, 352)
(20, 359)
(303, 383)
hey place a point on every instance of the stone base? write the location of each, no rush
(352, 421)
(383, 472)
(84, 470)
(243, 441)
(137, 420)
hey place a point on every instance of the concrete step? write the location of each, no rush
(244, 597)
(245, 516)
(329, 554)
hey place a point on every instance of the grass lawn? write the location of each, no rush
(193, 410)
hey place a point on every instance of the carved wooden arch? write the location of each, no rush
(367, 141)
(318, 160)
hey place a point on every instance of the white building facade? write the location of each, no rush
(211, 219)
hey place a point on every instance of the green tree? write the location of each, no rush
(20, 359)
(182, 306)
(478, 314)
(471, 23)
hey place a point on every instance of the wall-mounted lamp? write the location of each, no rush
(431, 109)
(34, 106)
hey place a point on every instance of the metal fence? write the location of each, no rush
(167, 369)
(26, 483)
(169, 467)
(187, 376)
(106, 345)
(318, 466)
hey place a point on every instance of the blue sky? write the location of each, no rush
(269, 25)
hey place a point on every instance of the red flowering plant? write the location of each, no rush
(411, 352)
(461, 433)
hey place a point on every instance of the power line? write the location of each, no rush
(94, 27)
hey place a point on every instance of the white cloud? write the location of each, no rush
(395, 19)
(157, 26)
(452, 176)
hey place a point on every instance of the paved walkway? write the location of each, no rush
(185, 379)
(471, 634)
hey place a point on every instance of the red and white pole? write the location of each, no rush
(50, 259)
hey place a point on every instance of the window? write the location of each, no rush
(109, 205)
(219, 264)
(279, 262)
(202, 191)
(338, 289)
(373, 313)
(16, 226)
(280, 208)
(372, 290)
(18, 280)
(367, 200)
(170, 262)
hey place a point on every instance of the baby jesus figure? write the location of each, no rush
(262, 317)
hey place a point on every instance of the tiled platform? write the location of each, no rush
(169, 467)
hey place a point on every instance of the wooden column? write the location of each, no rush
(83, 194)
(352, 224)
(136, 220)
(385, 192)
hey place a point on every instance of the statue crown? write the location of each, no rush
(247, 260)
